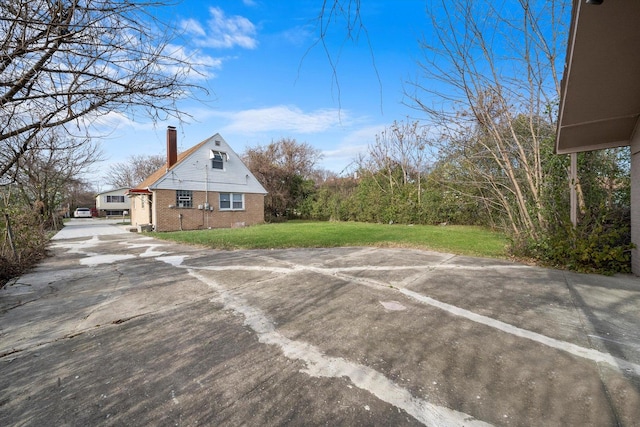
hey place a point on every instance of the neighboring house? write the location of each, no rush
(206, 186)
(113, 202)
(600, 98)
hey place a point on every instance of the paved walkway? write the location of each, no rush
(122, 329)
(88, 227)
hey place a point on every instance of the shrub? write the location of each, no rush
(600, 247)
(29, 242)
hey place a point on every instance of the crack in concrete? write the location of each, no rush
(74, 334)
(321, 365)
(576, 350)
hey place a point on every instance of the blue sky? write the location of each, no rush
(269, 79)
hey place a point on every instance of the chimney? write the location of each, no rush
(172, 147)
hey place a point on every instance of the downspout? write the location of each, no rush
(150, 213)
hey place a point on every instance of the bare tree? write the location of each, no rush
(404, 145)
(66, 63)
(45, 177)
(490, 83)
(284, 168)
(134, 171)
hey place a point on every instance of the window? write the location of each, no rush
(231, 201)
(184, 198)
(217, 159)
(115, 199)
(238, 201)
(225, 201)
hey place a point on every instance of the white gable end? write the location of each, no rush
(214, 166)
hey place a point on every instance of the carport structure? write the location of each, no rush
(600, 98)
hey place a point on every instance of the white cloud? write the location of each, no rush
(297, 36)
(363, 136)
(114, 123)
(282, 118)
(222, 31)
(192, 27)
(201, 65)
(352, 145)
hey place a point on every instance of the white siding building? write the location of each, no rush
(206, 186)
(113, 202)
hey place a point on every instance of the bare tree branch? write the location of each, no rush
(492, 70)
(132, 172)
(65, 63)
(345, 15)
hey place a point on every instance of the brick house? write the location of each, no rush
(206, 186)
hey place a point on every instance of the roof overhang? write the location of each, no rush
(600, 97)
(137, 191)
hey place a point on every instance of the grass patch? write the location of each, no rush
(462, 240)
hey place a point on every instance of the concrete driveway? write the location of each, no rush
(121, 329)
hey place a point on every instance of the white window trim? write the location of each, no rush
(231, 208)
(222, 154)
(121, 198)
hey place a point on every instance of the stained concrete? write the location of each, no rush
(116, 328)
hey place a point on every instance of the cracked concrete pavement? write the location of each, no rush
(116, 328)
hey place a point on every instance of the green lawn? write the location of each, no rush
(463, 240)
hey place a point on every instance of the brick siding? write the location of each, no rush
(172, 219)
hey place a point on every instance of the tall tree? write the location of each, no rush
(45, 177)
(493, 69)
(405, 145)
(134, 171)
(285, 169)
(65, 63)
